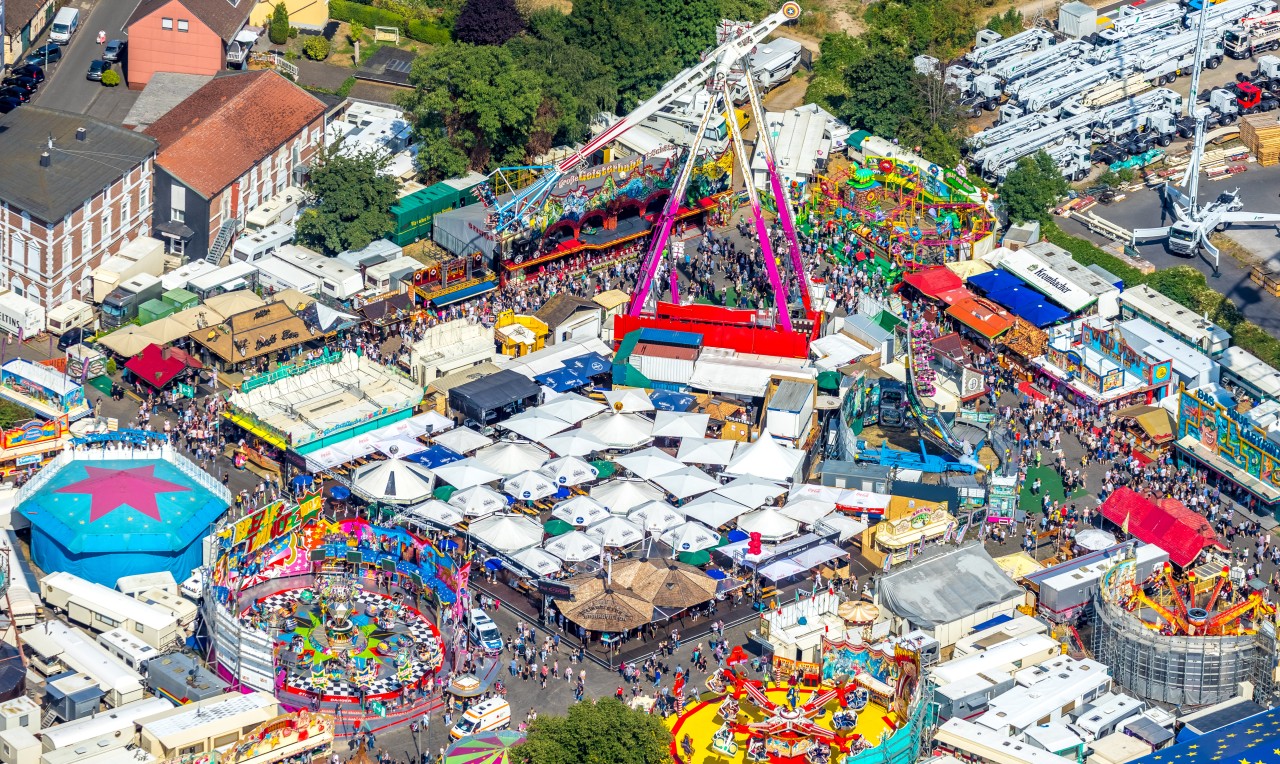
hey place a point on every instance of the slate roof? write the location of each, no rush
(77, 170)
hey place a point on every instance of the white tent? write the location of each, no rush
(649, 463)
(574, 546)
(507, 533)
(686, 482)
(510, 457)
(538, 561)
(706, 451)
(573, 443)
(398, 448)
(534, 424)
(465, 473)
(628, 400)
(569, 470)
(616, 532)
(621, 496)
(679, 424)
(580, 511)
(690, 537)
(771, 524)
(766, 458)
(619, 430)
(750, 491)
(714, 510)
(529, 486)
(656, 516)
(571, 407)
(478, 501)
(843, 524)
(436, 511)
(808, 511)
(393, 481)
(462, 440)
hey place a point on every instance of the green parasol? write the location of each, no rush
(701, 557)
(556, 527)
(444, 492)
(605, 468)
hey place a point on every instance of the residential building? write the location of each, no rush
(309, 15)
(567, 317)
(234, 143)
(187, 37)
(24, 22)
(73, 190)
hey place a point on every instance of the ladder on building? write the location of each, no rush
(221, 243)
(49, 718)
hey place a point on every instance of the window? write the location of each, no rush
(125, 210)
(26, 222)
(166, 23)
(137, 627)
(86, 238)
(177, 215)
(109, 621)
(144, 196)
(106, 223)
(226, 207)
(66, 252)
(17, 250)
(189, 750)
(182, 25)
(225, 740)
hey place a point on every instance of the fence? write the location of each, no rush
(165, 452)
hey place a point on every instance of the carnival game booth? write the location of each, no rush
(32, 444)
(1213, 436)
(43, 389)
(855, 703)
(108, 512)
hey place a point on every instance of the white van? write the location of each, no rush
(484, 632)
(492, 714)
(65, 24)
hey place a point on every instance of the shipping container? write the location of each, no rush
(180, 299)
(153, 310)
(413, 213)
(665, 363)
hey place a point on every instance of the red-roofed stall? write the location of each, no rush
(158, 366)
(1167, 523)
(934, 281)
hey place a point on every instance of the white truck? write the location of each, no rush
(1252, 35)
(20, 316)
(142, 255)
(988, 53)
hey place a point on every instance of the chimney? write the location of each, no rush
(81, 134)
(44, 159)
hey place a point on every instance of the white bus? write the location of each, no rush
(229, 278)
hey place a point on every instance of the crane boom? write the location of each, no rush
(718, 61)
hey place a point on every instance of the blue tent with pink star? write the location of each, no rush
(106, 518)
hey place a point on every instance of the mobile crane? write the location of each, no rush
(983, 58)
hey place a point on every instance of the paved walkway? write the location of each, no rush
(318, 74)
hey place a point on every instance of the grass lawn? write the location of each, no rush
(1050, 483)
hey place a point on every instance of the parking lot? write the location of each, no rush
(66, 88)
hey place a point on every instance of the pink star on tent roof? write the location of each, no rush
(111, 489)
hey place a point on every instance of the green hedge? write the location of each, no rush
(345, 10)
(424, 31)
(1086, 253)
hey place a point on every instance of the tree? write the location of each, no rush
(883, 91)
(600, 732)
(315, 47)
(479, 100)
(689, 25)
(1032, 187)
(278, 29)
(576, 85)
(488, 22)
(355, 30)
(630, 41)
(1007, 24)
(353, 202)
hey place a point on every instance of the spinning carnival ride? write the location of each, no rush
(743, 330)
(1187, 605)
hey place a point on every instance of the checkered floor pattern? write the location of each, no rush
(418, 628)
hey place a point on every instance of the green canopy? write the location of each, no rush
(443, 492)
(605, 467)
(701, 557)
(829, 380)
(556, 527)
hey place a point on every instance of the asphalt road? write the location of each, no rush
(1258, 187)
(66, 88)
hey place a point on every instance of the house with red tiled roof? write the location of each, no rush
(187, 37)
(230, 146)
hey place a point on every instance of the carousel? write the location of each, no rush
(351, 643)
(862, 698)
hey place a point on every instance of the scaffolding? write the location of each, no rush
(1181, 670)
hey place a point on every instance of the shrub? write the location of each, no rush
(356, 31)
(424, 31)
(1085, 253)
(111, 78)
(111, 366)
(278, 29)
(293, 32)
(315, 47)
(367, 15)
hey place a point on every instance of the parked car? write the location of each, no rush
(96, 68)
(9, 104)
(73, 336)
(22, 83)
(49, 53)
(28, 70)
(17, 94)
(114, 50)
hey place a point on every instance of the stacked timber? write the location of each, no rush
(1261, 133)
